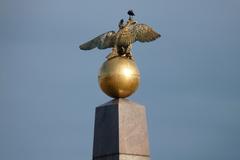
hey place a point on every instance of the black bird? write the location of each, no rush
(121, 24)
(130, 13)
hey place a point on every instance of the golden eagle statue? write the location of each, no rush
(121, 41)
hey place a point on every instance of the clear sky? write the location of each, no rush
(190, 78)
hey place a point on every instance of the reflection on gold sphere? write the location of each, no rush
(119, 77)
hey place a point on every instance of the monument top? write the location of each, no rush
(121, 41)
(119, 76)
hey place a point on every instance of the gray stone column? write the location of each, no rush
(120, 131)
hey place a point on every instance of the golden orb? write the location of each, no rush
(119, 77)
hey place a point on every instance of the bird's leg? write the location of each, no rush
(113, 53)
(129, 48)
(128, 52)
(114, 50)
(130, 18)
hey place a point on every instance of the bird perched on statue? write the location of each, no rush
(121, 41)
(131, 14)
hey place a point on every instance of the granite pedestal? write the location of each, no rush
(120, 131)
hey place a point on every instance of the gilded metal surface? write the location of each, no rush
(122, 40)
(119, 77)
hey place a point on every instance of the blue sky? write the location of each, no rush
(190, 79)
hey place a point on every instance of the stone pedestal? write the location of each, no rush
(120, 131)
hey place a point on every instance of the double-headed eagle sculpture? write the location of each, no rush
(122, 40)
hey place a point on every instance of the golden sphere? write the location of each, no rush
(119, 77)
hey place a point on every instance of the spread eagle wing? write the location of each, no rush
(103, 41)
(143, 33)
